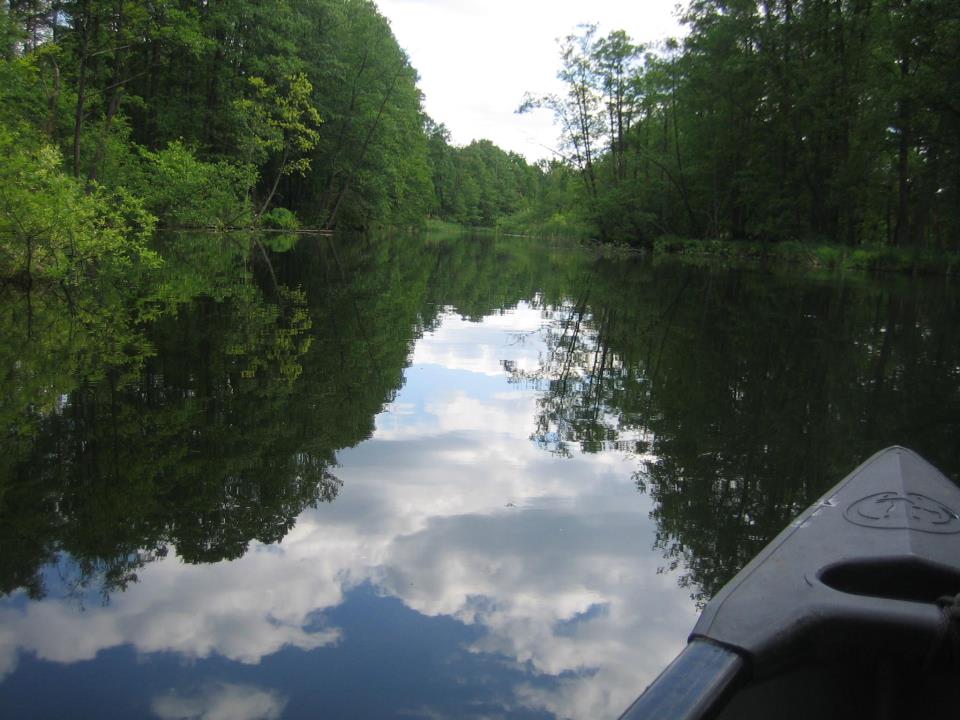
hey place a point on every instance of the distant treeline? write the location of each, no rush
(833, 120)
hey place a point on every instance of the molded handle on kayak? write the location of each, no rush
(826, 625)
(865, 564)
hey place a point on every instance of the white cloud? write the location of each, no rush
(563, 590)
(191, 610)
(220, 701)
(8, 650)
(458, 412)
(481, 348)
(476, 58)
(528, 548)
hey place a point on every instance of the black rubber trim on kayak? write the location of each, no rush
(695, 686)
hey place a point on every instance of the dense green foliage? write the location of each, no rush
(52, 231)
(217, 114)
(802, 120)
(480, 184)
(780, 119)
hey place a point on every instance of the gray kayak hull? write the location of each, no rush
(843, 610)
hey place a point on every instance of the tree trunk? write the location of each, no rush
(276, 182)
(53, 101)
(904, 109)
(902, 232)
(81, 86)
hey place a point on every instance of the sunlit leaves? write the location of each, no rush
(52, 228)
(186, 192)
(283, 122)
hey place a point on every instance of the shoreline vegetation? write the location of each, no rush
(805, 255)
(819, 133)
(903, 261)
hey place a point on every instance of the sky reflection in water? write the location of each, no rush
(462, 571)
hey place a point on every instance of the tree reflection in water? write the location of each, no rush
(212, 418)
(745, 395)
(176, 430)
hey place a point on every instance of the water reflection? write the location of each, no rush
(746, 395)
(318, 478)
(219, 701)
(185, 442)
(449, 509)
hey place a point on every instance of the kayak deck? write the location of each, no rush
(838, 615)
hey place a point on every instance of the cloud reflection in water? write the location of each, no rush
(222, 701)
(450, 509)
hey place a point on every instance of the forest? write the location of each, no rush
(826, 120)
(797, 121)
(119, 116)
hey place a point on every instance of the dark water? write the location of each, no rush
(447, 477)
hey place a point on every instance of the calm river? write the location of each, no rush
(446, 477)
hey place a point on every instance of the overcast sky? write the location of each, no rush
(476, 58)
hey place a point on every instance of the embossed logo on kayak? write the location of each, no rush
(903, 511)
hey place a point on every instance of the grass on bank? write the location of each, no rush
(876, 258)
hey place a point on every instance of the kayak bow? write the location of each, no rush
(851, 587)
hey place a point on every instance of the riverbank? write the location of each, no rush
(908, 261)
(806, 255)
